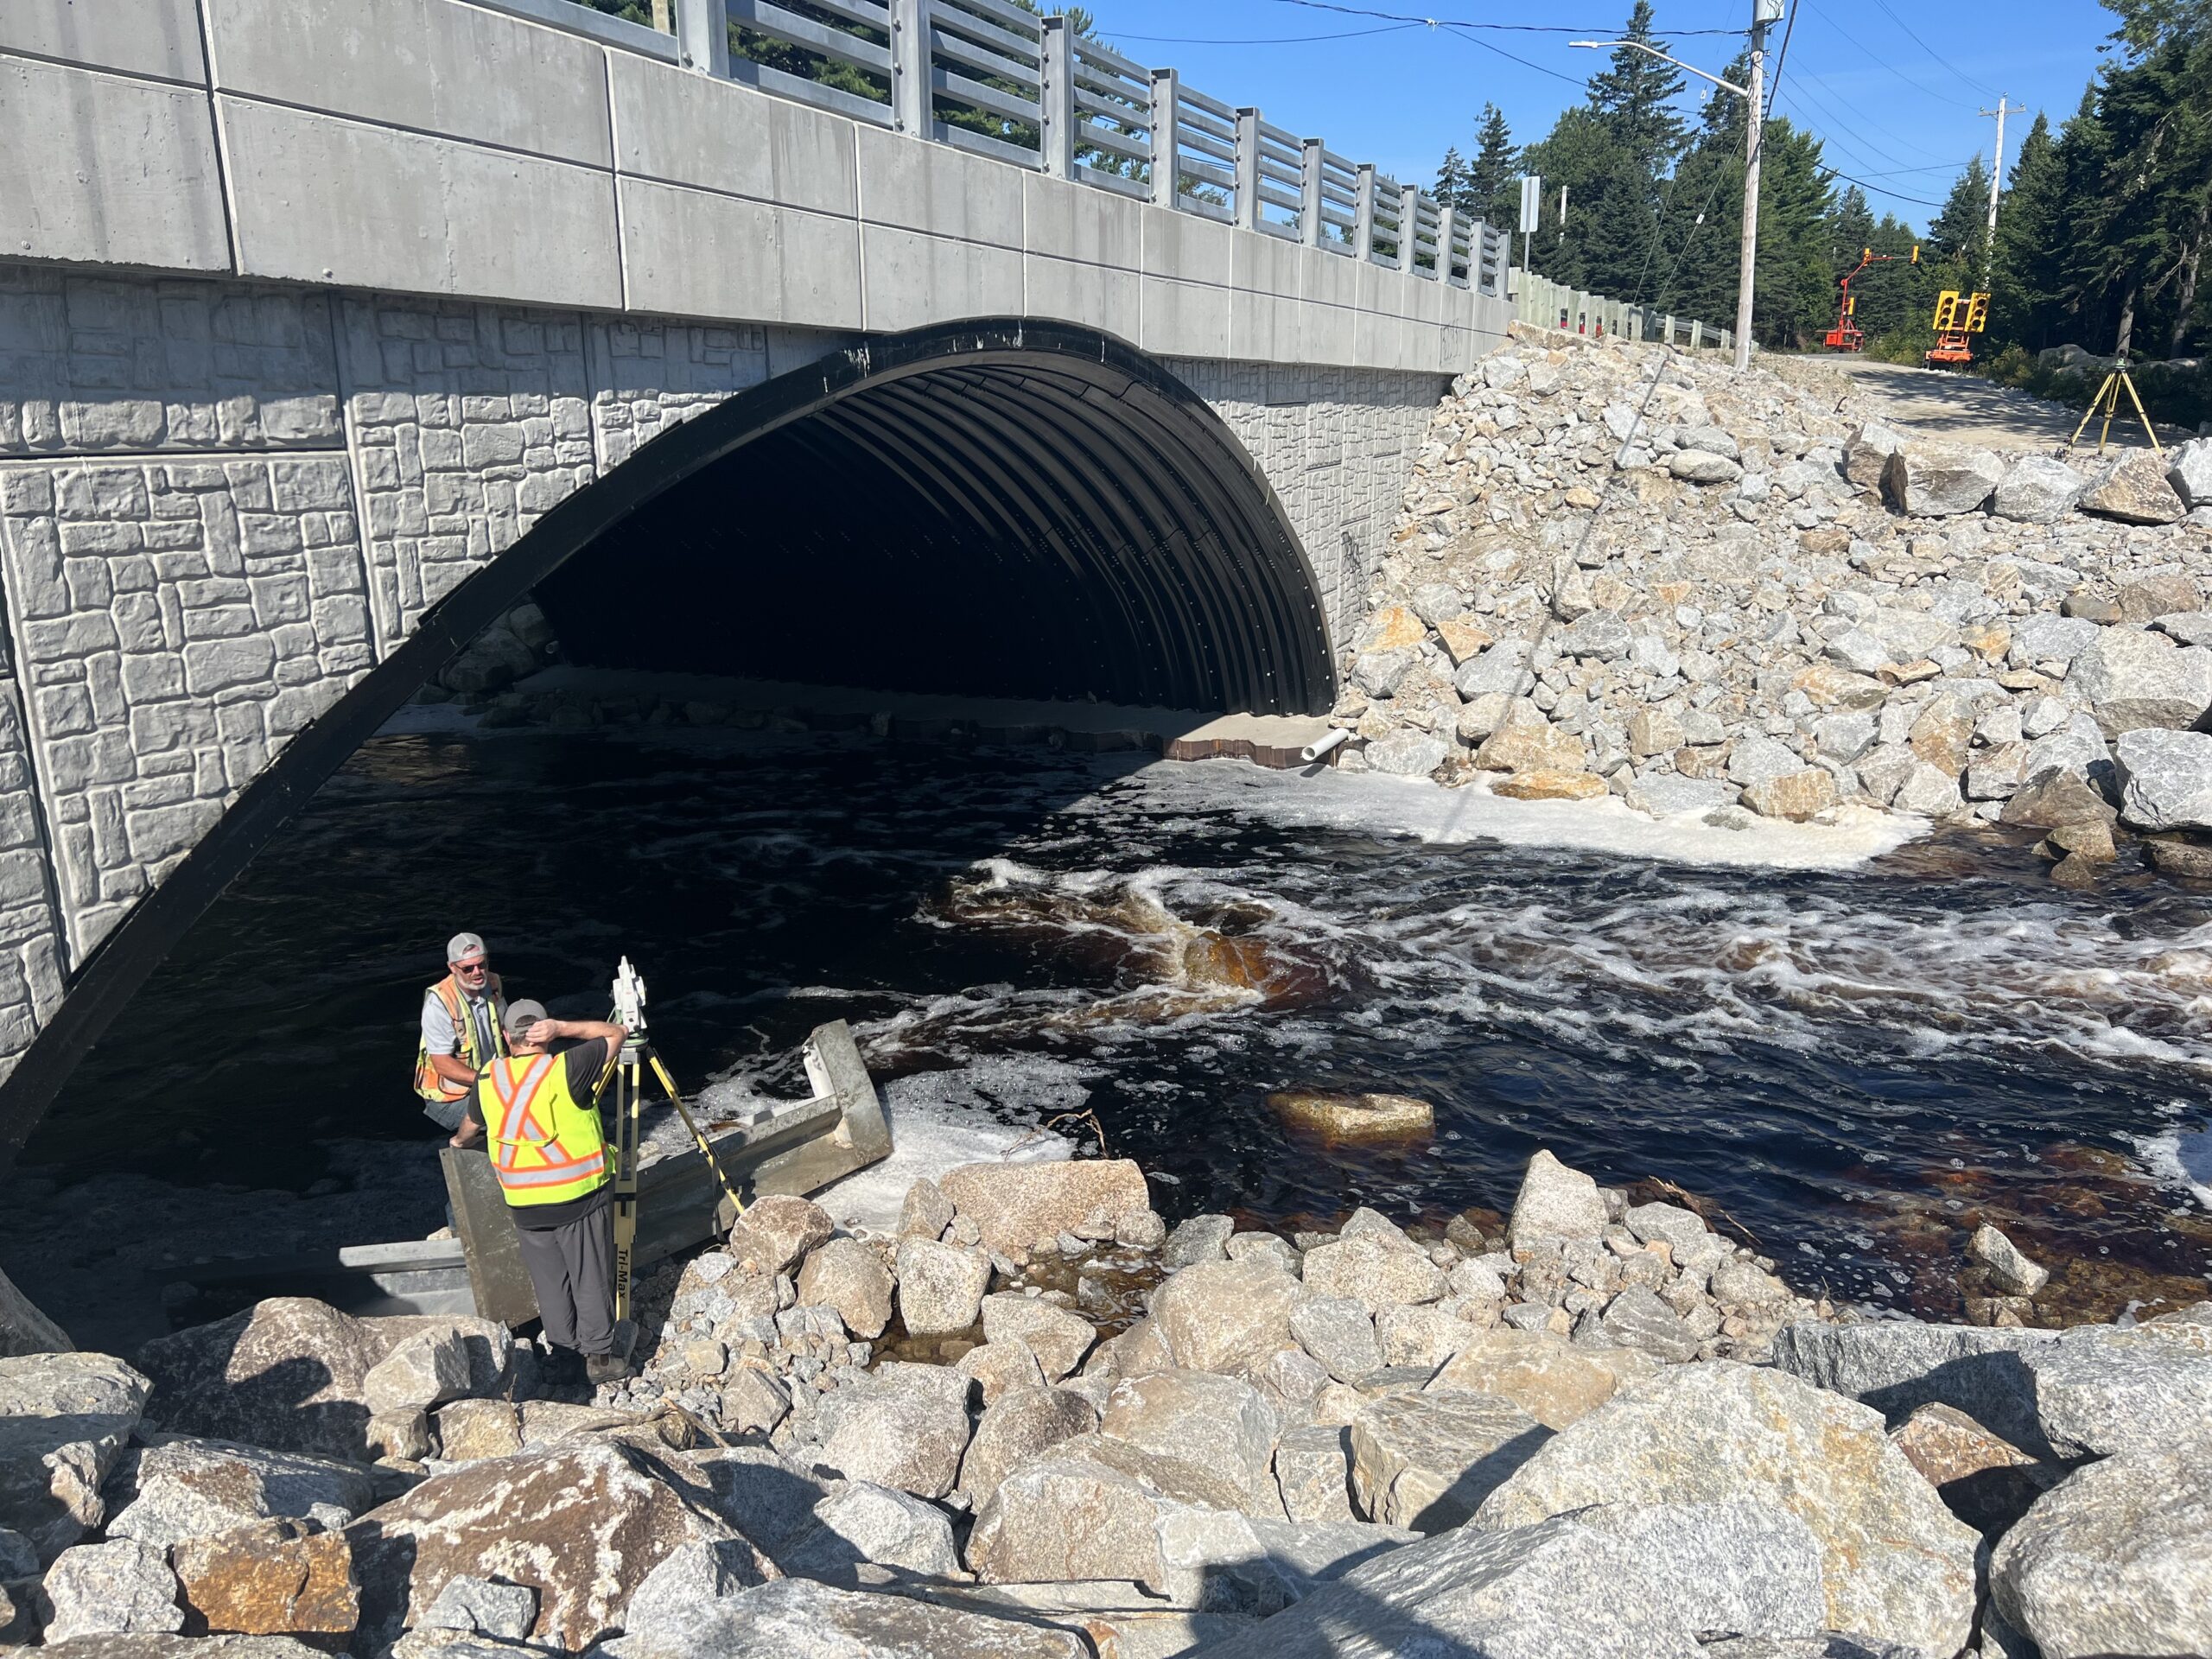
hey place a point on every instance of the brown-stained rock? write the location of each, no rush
(1545, 1375)
(2056, 799)
(472, 1429)
(1795, 796)
(2177, 855)
(1830, 687)
(1015, 1205)
(1983, 1479)
(776, 1232)
(1354, 1117)
(1391, 627)
(269, 1578)
(582, 1524)
(1550, 783)
(1526, 741)
(1464, 638)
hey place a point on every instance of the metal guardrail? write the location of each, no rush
(992, 78)
(1547, 304)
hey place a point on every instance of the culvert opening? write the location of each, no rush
(1004, 525)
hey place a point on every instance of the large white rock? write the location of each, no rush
(1428, 1461)
(120, 1586)
(797, 1618)
(863, 1522)
(2037, 490)
(2166, 778)
(1503, 668)
(1216, 1433)
(900, 1430)
(1930, 481)
(940, 1286)
(1230, 1316)
(1867, 452)
(1406, 753)
(1059, 1338)
(2116, 1559)
(1893, 1559)
(1373, 1274)
(2190, 473)
(2132, 678)
(1558, 1591)
(1018, 1425)
(182, 1488)
(64, 1420)
(1556, 1202)
(2132, 488)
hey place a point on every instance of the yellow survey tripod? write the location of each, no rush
(2106, 403)
(630, 1067)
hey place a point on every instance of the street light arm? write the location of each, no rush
(1653, 51)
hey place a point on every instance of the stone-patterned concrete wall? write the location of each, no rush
(222, 503)
(1338, 445)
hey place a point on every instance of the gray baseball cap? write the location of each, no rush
(522, 1015)
(462, 946)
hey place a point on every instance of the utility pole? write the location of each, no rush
(1997, 166)
(1747, 258)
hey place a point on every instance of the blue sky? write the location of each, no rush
(1897, 112)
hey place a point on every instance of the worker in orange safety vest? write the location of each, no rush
(536, 1112)
(462, 1030)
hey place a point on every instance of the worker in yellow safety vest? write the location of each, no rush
(537, 1113)
(463, 1030)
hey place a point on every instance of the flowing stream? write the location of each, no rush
(1849, 1050)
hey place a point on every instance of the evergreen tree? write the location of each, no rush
(1492, 190)
(1450, 187)
(1636, 93)
(2027, 261)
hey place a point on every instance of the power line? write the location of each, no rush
(1280, 40)
(1920, 86)
(1803, 89)
(1957, 73)
(1462, 22)
(1488, 46)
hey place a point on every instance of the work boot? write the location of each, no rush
(601, 1369)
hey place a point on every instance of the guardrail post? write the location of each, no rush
(1248, 169)
(1056, 96)
(1697, 333)
(1408, 227)
(1166, 158)
(912, 108)
(1362, 215)
(702, 35)
(1444, 217)
(1309, 193)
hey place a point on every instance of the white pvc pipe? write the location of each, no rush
(1315, 751)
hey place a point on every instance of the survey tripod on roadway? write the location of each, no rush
(630, 1066)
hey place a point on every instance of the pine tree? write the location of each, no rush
(1450, 187)
(1634, 95)
(2026, 263)
(1492, 191)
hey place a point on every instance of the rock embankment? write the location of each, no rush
(1709, 592)
(1598, 1427)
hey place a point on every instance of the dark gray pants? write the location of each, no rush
(572, 1269)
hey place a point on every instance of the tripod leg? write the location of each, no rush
(2088, 414)
(706, 1150)
(2129, 381)
(2112, 408)
(628, 1099)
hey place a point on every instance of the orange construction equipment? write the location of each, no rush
(1845, 336)
(1957, 316)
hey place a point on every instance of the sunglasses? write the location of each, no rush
(472, 966)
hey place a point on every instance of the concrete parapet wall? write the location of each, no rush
(438, 148)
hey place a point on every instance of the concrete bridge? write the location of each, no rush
(330, 328)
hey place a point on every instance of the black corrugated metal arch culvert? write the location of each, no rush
(1006, 510)
(1033, 510)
